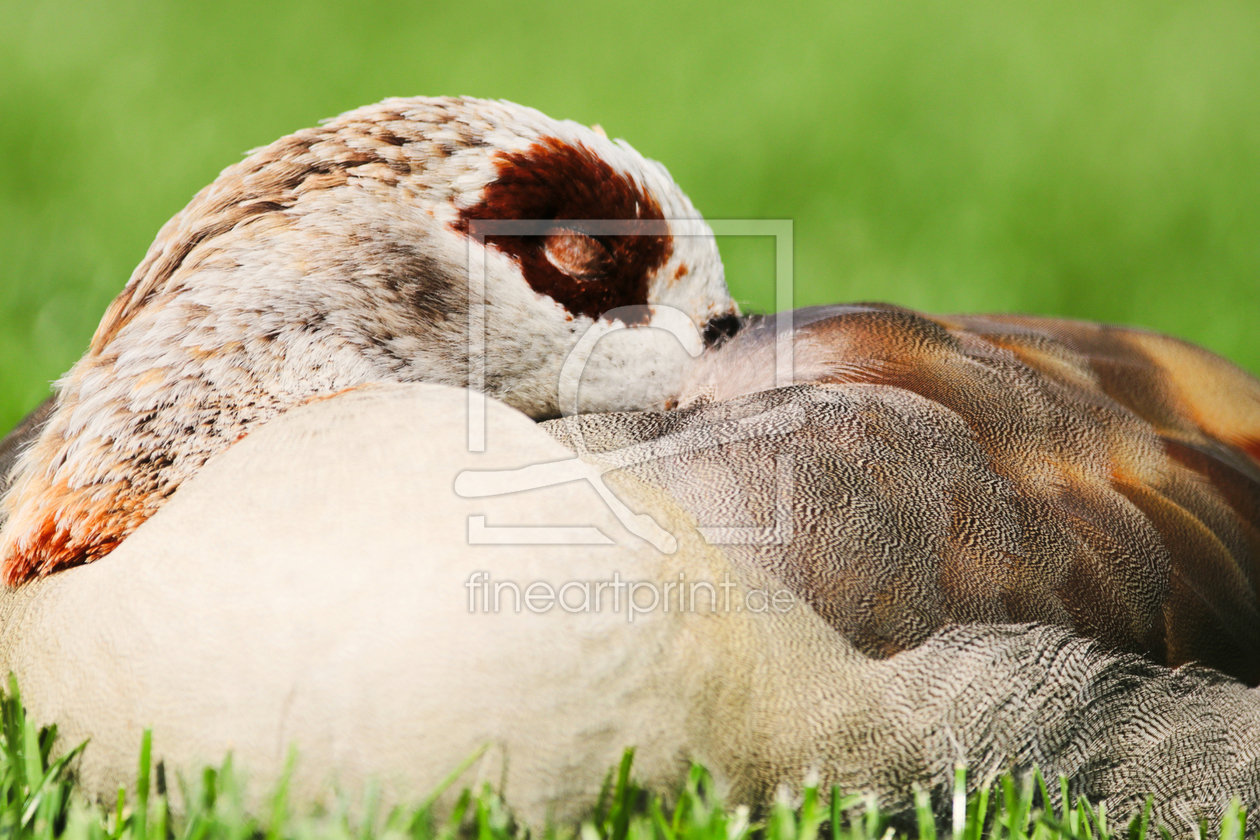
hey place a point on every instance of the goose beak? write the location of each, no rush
(719, 329)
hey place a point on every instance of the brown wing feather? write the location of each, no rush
(1187, 393)
(990, 469)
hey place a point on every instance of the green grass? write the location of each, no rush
(1074, 158)
(39, 800)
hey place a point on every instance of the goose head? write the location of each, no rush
(365, 251)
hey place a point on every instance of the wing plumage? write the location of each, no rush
(982, 469)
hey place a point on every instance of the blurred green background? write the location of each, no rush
(1093, 160)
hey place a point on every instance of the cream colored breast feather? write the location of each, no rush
(343, 255)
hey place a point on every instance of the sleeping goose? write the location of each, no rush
(239, 520)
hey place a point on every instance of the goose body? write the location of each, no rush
(244, 519)
(355, 643)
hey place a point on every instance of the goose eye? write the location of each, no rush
(577, 255)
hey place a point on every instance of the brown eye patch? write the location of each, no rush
(588, 273)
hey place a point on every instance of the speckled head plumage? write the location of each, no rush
(339, 256)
